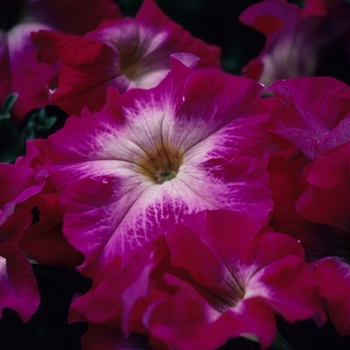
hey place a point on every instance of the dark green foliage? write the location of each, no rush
(39, 123)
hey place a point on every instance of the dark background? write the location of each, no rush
(215, 22)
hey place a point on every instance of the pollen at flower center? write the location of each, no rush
(161, 163)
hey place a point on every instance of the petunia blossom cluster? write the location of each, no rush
(203, 206)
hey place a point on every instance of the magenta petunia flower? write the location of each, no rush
(297, 39)
(243, 276)
(151, 157)
(311, 198)
(124, 54)
(310, 181)
(20, 72)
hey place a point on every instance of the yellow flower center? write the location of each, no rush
(161, 163)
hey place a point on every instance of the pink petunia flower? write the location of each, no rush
(325, 202)
(310, 180)
(151, 157)
(245, 277)
(124, 54)
(296, 39)
(313, 115)
(20, 72)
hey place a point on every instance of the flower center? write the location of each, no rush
(12, 11)
(161, 163)
(222, 300)
(130, 64)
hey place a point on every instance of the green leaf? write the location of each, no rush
(8, 104)
(40, 121)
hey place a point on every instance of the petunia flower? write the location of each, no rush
(124, 54)
(325, 205)
(309, 180)
(297, 39)
(244, 276)
(312, 114)
(151, 157)
(20, 72)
